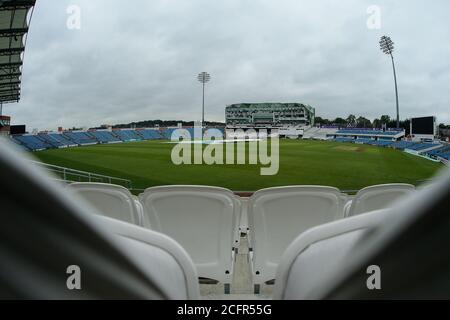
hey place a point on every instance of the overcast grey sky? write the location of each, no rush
(138, 60)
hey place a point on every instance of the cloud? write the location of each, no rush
(139, 61)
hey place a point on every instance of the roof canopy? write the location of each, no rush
(14, 22)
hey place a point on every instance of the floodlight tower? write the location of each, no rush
(387, 46)
(203, 77)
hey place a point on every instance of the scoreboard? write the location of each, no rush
(423, 128)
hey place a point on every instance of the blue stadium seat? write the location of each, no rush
(369, 132)
(104, 136)
(402, 145)
(382, 143)
(127, 135)
(150, 134)
(32, 142)
(61, 139)
(80, 137)
(363, 140)
(441, 152)
(344, 139)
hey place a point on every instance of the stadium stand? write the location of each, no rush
(371, 132)
(167, 133)
(343, 139)
(430, 149)
(104, 136)
(208, 229)
(423, 146)
(150, 134)
(53, 142)
(80, 137)
(402, 145)
(443, 152)
(363, 140)
(32, 142)
(127, 135)
(278, 215)
(62, 139)
(50, 140)
(322, 133)
(112, 200)
(381, 143)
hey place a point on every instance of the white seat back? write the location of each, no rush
(278, 215)
(166, 262)
(378, 197)
(315, 254)
(347, 208)
(112, 200)
(202, 219)
(140, 209)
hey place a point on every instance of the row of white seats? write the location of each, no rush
(306, 265)
(205, 220)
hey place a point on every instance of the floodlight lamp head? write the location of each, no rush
(386, 45)
(203, 77)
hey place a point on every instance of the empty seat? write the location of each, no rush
(347, 208)
(378, 197)
(112, 200)
(140, 209)
(162, 258)
(243, 225)
(314, 256)
(278, 215)
(204, 220)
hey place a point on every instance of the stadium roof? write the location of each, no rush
(14, 22)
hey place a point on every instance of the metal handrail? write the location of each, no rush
(73, 175)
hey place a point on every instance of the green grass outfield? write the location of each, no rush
(346, 166)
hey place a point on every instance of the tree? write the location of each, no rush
(362, 122)
(385, 119)
(340, 122)
(320, 120)
(377, 123)
(351, 120)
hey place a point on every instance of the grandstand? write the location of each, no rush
(66, 139)
(127, 135)
(440, 153)
(268, 115)
(431, 150)
(333, 132)
(50, 140)
(104, 136)
(320, 133)
(149, 134)
(371, 133)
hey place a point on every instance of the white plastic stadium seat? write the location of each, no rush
(112, 200)
(315, 254)
(140, 209)
(161, 257)
(378, 197)
(347, 208)
(278, 215)
(243, 225)
(202, 219)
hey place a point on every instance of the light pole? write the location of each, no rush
(387, 46)
(203, 77)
